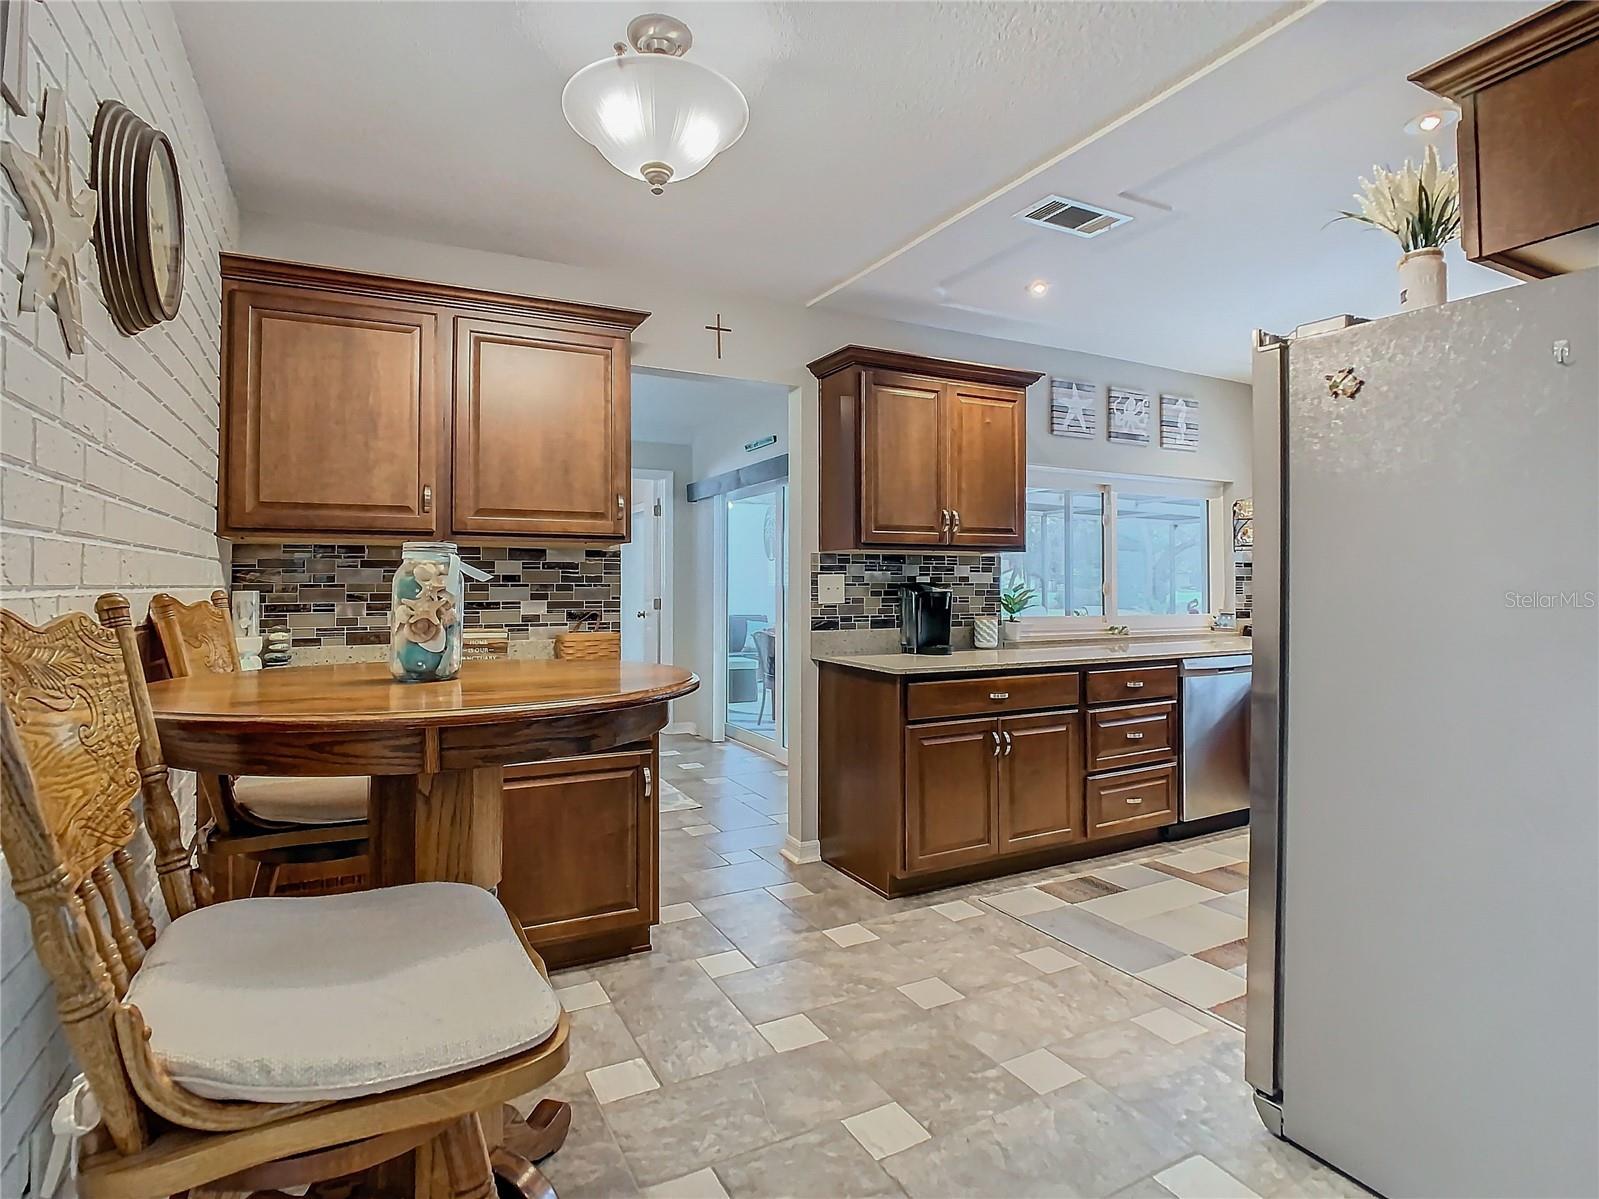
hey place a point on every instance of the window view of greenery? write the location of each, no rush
(1065, 559)
(1162, 555)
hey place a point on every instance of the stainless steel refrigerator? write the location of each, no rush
(1424, 875)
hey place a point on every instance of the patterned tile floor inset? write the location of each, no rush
(793, 1034)
(1174, 917)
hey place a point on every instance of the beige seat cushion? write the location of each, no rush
(331, 996)
(339, 799)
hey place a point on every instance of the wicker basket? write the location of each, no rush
(588, 647)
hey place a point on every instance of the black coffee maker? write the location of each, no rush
(923, 619)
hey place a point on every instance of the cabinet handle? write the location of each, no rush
(1135, 736)
(427, 497)
(621, 502)
(996, 696)
(995, 736)
(955, 520)
(1134, 684)
(1135, 799)
(648, 782)
(1007, 743)
(943, 520)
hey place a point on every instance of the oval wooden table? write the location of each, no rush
(436, 753)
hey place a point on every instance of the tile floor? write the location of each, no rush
(793, 1034)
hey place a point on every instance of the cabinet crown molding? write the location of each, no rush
(246, 268)
(1531, 40)
(916, 364)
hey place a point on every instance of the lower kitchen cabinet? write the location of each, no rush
(1041, 781)
(924, 781)
(951, 794)
(580, 854)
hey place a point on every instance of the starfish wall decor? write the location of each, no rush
(62, 222)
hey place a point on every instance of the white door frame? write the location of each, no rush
(662, 491)
(770, 746)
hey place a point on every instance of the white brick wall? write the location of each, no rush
(108, 459)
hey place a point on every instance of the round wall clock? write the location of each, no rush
(139, 228)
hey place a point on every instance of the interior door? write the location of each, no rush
(951, 794)
(1040, 781)
(986, 465)
(902, 444)
(332, 413)
(642, 577)
(541, 431)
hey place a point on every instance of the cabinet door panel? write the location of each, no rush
(541, 431)
(987, 465)
(332, 413)
(902, 444)
(1041, 781)
(951, 794)
(579, 858)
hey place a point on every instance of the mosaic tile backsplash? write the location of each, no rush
(872, 602)
(1243, 582)
(339, 594)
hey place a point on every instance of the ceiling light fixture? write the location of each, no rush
(1431, 122)
(653, 114)
(1038, 288)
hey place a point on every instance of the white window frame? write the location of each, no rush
(1218, 584)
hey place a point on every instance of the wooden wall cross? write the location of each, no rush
(718, 328)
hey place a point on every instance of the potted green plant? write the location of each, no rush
(1420, 206)
(1014, 599)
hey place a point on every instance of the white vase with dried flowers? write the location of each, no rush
(1421, 207)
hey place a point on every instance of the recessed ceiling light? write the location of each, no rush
(1431, 122)
(1038, 288)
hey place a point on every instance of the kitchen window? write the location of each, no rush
(1101, 550)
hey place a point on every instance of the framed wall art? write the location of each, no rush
(1179, 423)
(1073, 408)
(1128, 416)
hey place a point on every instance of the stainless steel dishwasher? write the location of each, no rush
(1215, 735)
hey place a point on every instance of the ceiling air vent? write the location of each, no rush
(1072, 216)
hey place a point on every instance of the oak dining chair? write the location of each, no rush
(272, 823)
(259, 1044)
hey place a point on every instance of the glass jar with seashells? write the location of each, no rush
(425, 624)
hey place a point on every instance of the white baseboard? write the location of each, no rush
(682, 726)
(800, 852)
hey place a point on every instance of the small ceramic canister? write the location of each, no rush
(985, 632)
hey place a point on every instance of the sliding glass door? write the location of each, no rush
(756, 592)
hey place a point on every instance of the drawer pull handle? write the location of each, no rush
(1135, 736)
(1134, 684)
(1135, 799)
(996, 696)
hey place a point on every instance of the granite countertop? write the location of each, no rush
(1097, 653)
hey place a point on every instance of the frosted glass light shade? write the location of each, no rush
(650, 110)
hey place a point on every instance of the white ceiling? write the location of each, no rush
(672, 408)
(871, 125)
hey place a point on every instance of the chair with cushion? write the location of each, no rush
(270, 822)
(766, 658)
(258, 1044)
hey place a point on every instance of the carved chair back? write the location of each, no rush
(195, 637)
(79, 745)
(199, 637)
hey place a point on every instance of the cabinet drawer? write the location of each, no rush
(1131, 801)
(1133, 683)
(1131, 735)
(993, 693)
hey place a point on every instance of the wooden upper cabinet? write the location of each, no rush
(1529, 168)
(986, 467)
(541, 441)
(921, 451)
(330, 413)
(362, 405)
(902, 434)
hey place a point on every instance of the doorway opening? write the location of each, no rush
(647, 570)
(755, 552)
